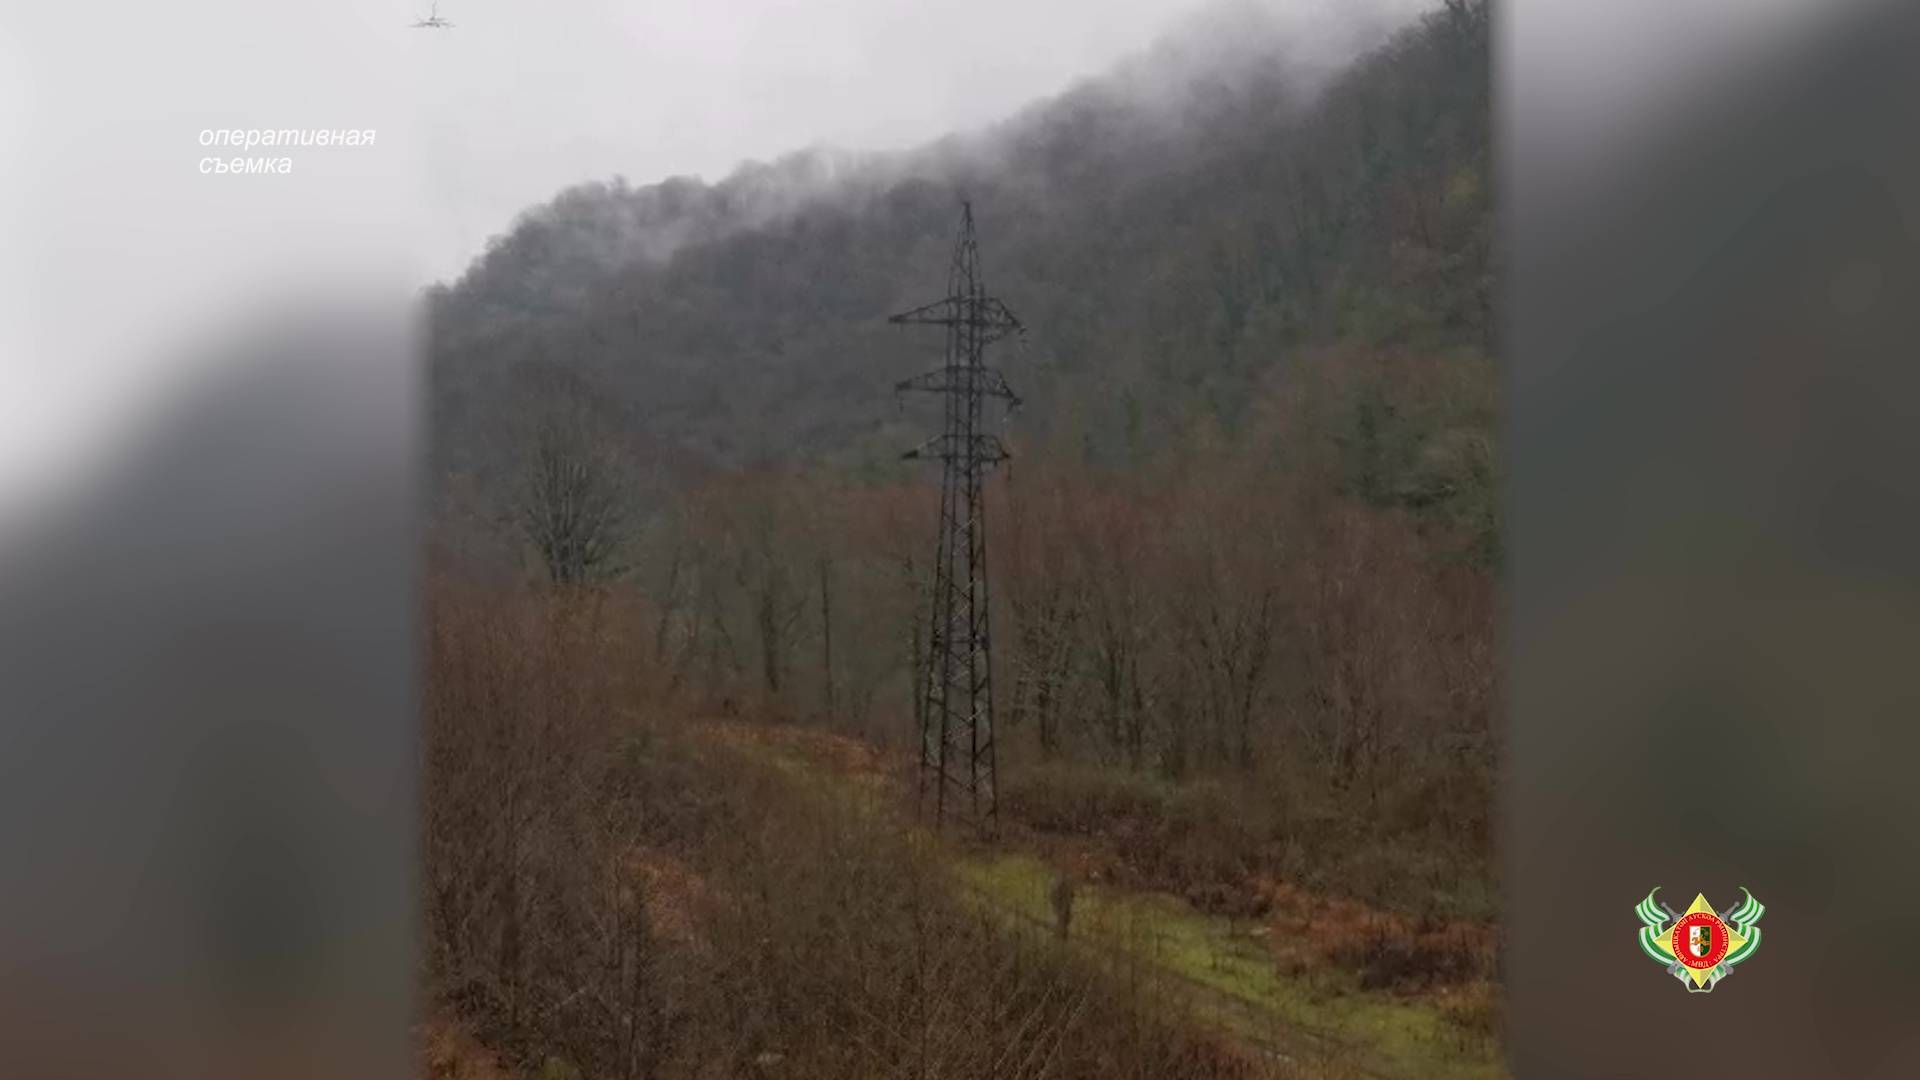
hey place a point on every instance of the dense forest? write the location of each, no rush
(1173, 249)
(1245, 553)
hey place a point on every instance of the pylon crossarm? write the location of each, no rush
(997, 320)
(988, 381)
(989, 315)
(986, 449)
(938, 313)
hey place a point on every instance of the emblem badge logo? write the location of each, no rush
(1699, 946)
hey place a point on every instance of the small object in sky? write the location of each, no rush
(433, 21)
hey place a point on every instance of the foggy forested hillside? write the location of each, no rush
(1242, 562)
(1175, 233)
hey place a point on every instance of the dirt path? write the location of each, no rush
(1289, 1046)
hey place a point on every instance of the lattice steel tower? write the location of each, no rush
(956, 714)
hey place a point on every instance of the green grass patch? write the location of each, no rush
(1249, 994)
(1210, 964)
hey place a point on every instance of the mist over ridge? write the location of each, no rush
(1168, 246)
(1248, 50)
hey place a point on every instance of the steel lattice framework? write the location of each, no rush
(956, 714)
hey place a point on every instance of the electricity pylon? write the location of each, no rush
(956, 718)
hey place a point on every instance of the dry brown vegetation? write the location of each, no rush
(1200, 852)
(609, 897)
(1230, 675)
(1255, 653)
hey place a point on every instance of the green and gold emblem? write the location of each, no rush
(1699, 946)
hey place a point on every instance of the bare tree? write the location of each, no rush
(572, 504)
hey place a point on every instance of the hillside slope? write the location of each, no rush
(1243, 562)
(1173, 233)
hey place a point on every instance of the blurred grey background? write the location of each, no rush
(1712, 220)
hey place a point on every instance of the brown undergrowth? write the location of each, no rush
(444, 1050)
(1406, 915)
(610, 895)
(1197, 852)
(1386, 950)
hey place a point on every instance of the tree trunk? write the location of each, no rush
(826, 634)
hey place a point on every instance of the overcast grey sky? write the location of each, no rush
(118, 245)
(519, 101)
